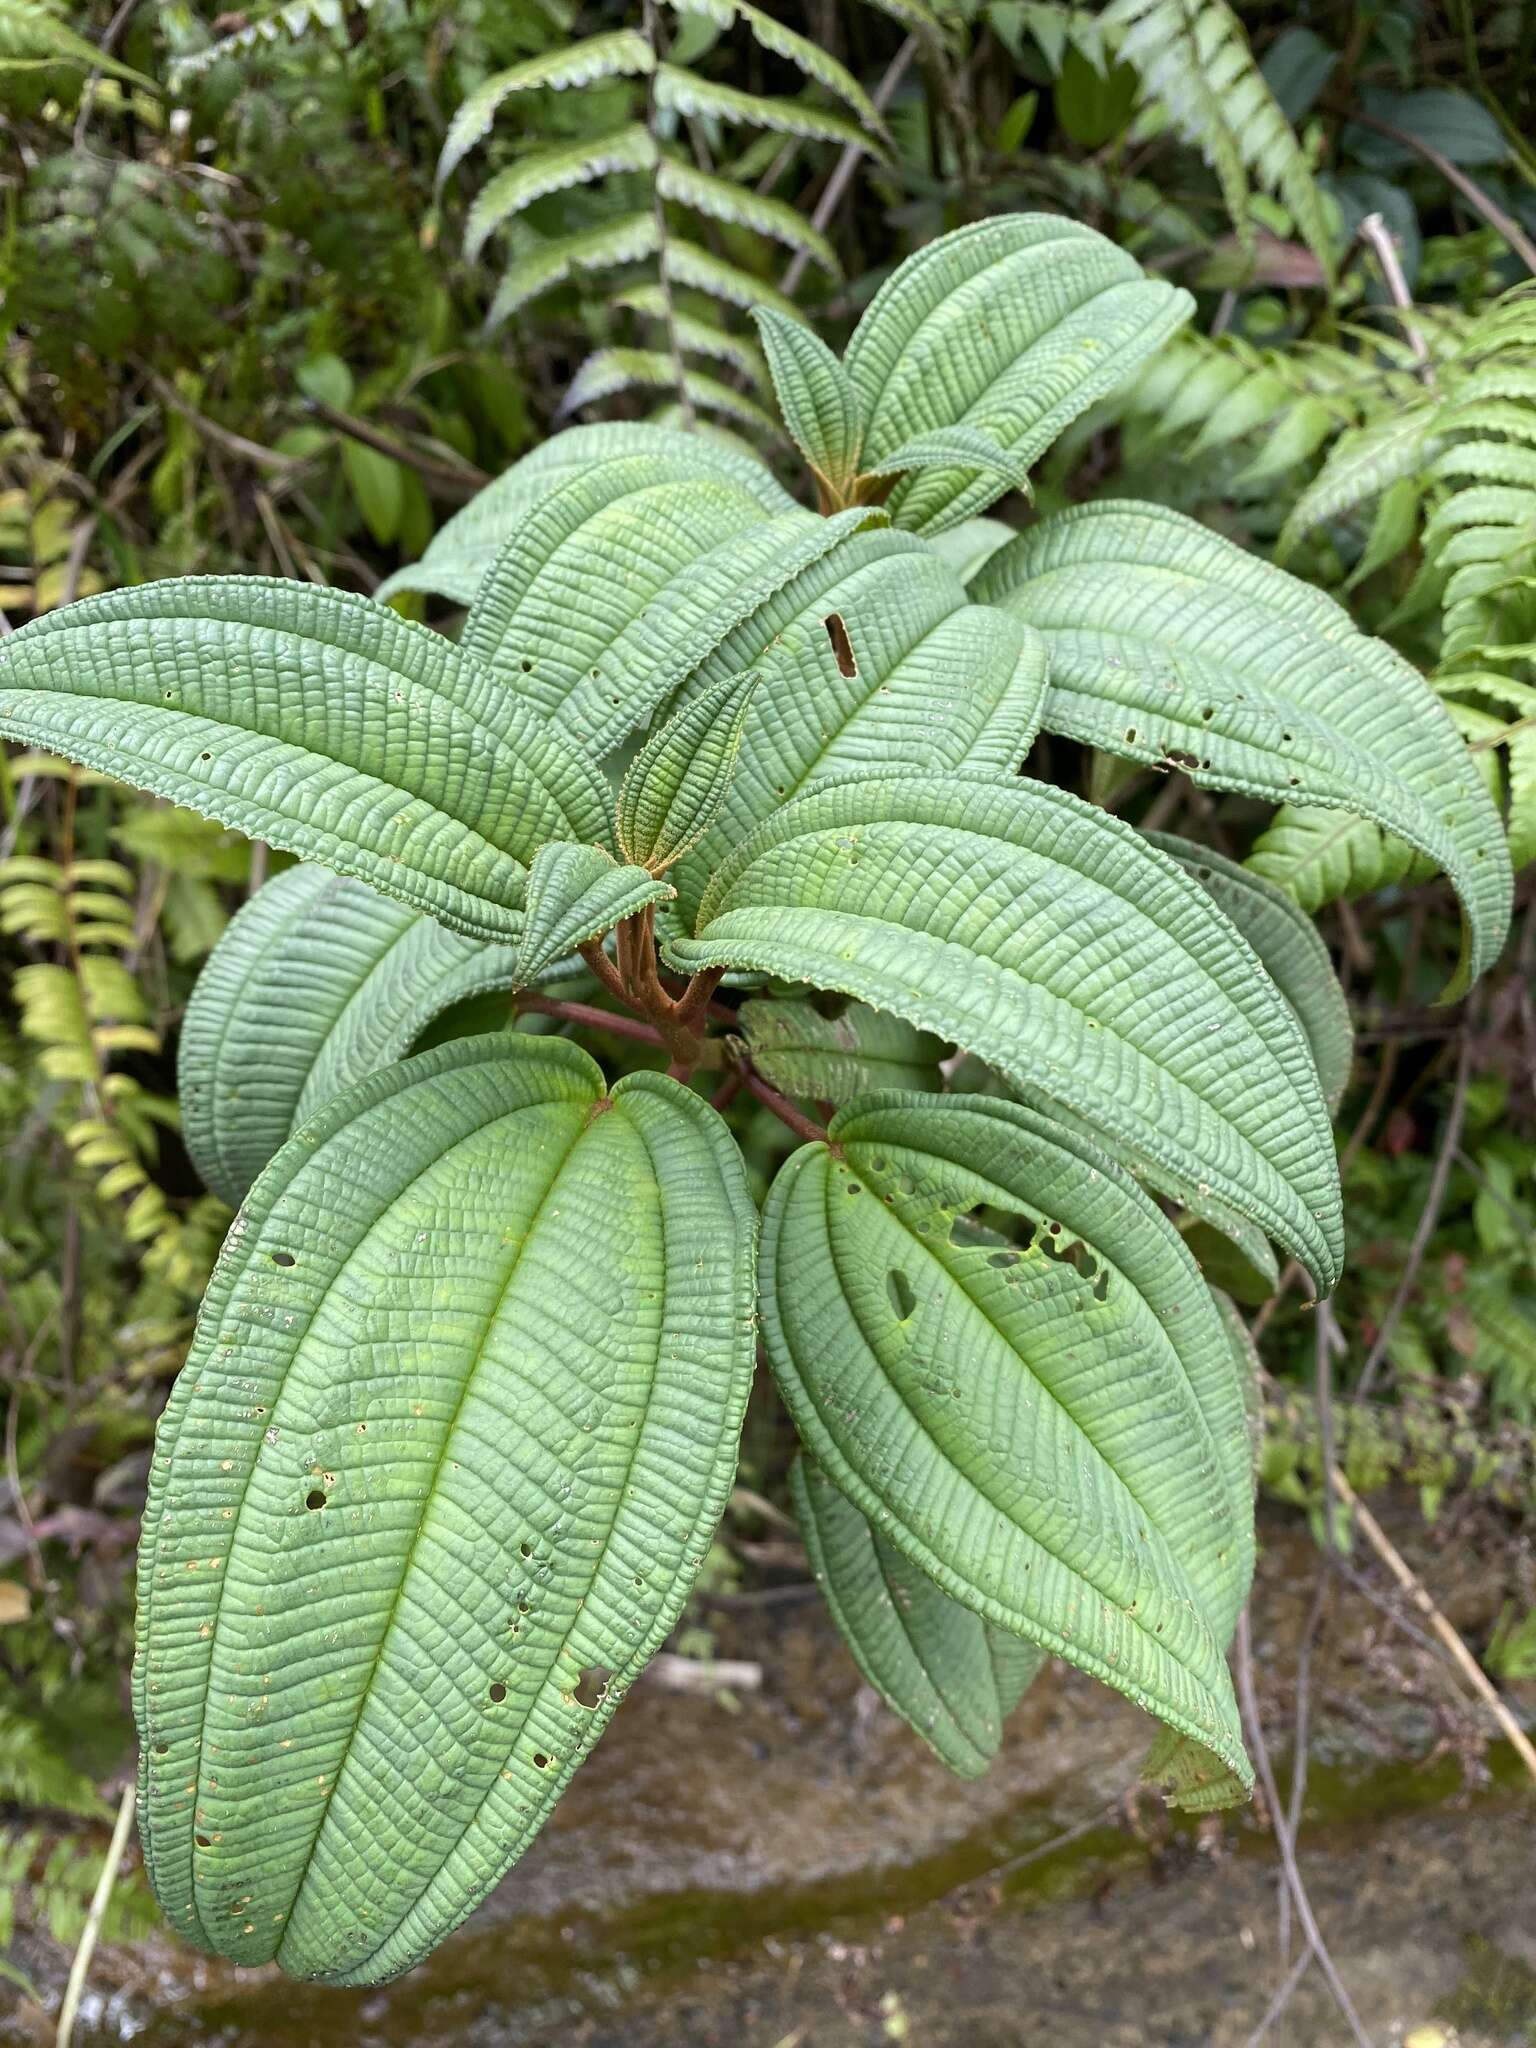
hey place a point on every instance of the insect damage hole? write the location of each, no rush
(591, 1686)
(842, 646)
(903, 1300)
(315, 1498)
(283, 1259)
(498, 1693)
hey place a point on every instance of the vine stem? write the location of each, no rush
(1374, 230)
(1429, 1216)
(79, 1969)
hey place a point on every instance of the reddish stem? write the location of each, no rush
(786, 1112)
(602, 967)
(592, 1017)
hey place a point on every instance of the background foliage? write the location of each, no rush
(282, 288)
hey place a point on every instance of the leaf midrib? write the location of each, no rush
(514, 1266)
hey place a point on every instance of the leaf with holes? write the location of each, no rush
(998, 1348)
(1171, 645)
(615, 587)
(463, 1397)
(459, 1419)
(316, 720)
(873, 657)
(952, 1677)
(1051, 941)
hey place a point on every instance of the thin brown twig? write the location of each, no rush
(1454, 176)
(1299, 1735)
(452, 479)
(1285, 1991)
(90, 1934)
(842, 171)
(1429, 1216)
(1374, 230)
(1249, 1705)
(1324, 1337)
(225, 437)
(591, 1017)
(1416, 1590)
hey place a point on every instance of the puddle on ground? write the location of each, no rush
(795, 1872)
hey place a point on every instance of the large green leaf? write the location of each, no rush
(1047, 938)
(464, 548)
(1287, 941)
(969, 1076)
(1173, 646)
(871, 658)
(317, 982)
(316, 720)
(460, 1415)
(996, 1345)
(951, 1676)
(615, 587)
(1010, 327)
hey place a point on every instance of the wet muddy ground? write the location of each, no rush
(787, 1868)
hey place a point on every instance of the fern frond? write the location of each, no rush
(1058, 25)
(620, 53)
(35, 1774)
(919, 19)
(684, 93)
(1284, 403)
(85, 904)
(606, 247)
(1319, 855)
(610, 370)
(1363, 463)
(554, 169)
(798, 50)
(695, 336)
(740, 206)
(687, 264)
(1193, 59)
(296, 19)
